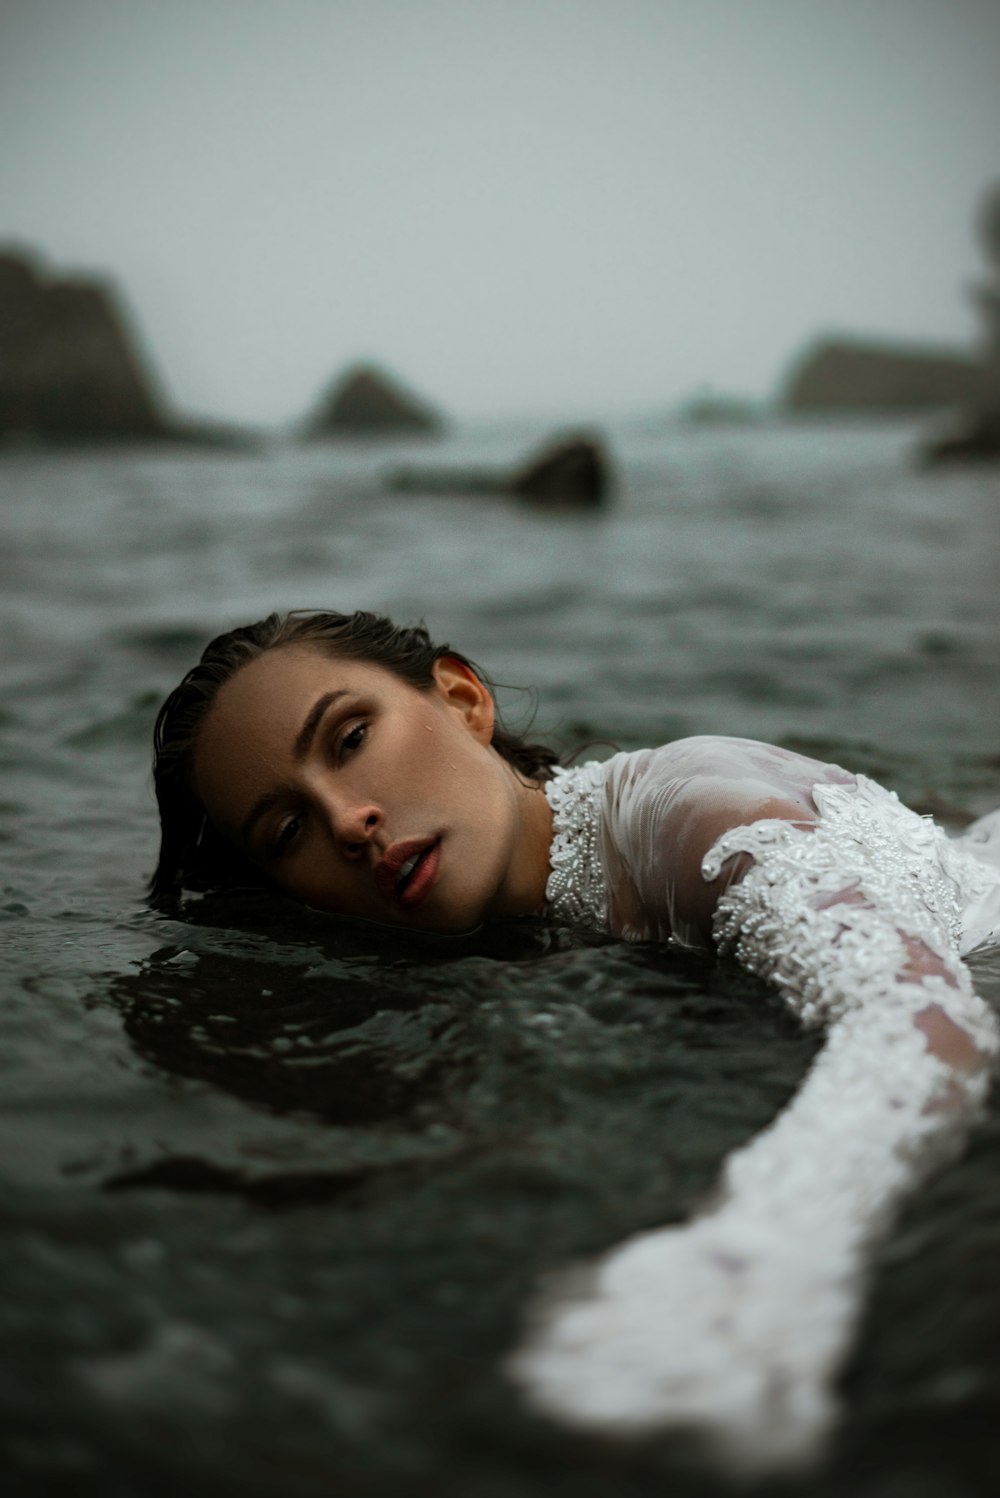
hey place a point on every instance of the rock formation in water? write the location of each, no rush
(976, 439)
(68, 368)
(367, 402)
(70, 371)
(572, 473)
(843, 375)
(709, 408)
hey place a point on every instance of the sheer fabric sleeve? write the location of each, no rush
(816, 879)
(665, 808)
(738, 1322)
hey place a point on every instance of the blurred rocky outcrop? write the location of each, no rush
(69, 368)
(570, 473)
(976, 437)
(845, 375)
(369, 403)
(709, 408)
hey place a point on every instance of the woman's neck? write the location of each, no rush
(530, 866)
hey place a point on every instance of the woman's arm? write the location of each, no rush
(737, 1323)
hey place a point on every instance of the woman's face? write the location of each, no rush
(358, 793)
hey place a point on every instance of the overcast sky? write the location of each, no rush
(557, 206)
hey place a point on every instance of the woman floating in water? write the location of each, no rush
(362, 769)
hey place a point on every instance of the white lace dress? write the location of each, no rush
(860, 911)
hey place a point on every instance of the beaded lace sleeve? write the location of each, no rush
(862, 909)
(738, 1322)
(576, 891)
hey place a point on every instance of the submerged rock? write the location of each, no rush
(976, 441)
(366, 402)
(571, 473)
(851, 375)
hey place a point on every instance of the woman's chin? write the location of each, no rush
(454, 922)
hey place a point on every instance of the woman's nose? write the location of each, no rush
(354, 827)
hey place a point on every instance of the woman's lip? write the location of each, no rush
(420, 883)
(388, 870)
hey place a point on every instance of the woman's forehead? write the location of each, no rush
(269, 697)
(289, 671)
(252, 725)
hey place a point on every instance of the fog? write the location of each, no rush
(555, 206)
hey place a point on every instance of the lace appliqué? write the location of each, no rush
(576, 890)
(824, 910)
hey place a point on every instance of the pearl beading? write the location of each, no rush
(576, 889)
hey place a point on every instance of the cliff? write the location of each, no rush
(68, 368)
(70, 371)
(851, 375)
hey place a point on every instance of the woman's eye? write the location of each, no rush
(353, 739)
(287, 833)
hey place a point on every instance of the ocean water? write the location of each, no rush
(275, 1197)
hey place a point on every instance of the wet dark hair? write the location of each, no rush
(193, 854)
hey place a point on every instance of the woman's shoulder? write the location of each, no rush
(725, 756)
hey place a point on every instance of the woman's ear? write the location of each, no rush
(463, 690)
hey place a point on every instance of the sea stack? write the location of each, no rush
(69, 370)
(839, 375)
(368, 403)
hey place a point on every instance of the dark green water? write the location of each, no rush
(275, 1193)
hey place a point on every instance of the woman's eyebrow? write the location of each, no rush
(307, 732)
(260, 806)
(300, 749)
